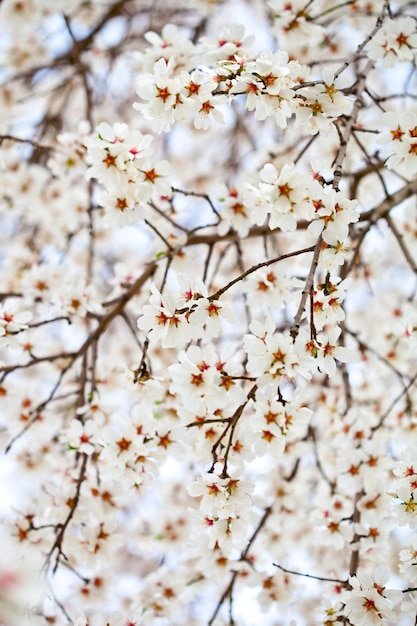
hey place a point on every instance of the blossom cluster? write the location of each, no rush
(282, 198)
(401, 140)
(121, 159)
(208, 330)
(395, 42)
(176, 320)
(271, 83)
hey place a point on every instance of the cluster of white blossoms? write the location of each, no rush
(406, 485)
(400, 138)
(274, 356)
(176, 98)
(208, 330)
(409, 562)
(395, 42)
(174, 320)
(277, 423)
(285, 200)
(201, 375)
(226, 506)
(271, 83)
(121, 159)
(293, 25)
(12, 321)
(369, 601)
(234, 213)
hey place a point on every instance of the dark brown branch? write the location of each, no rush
(295, 329)
(367, 39)
(61, 528)
(229, 589)
(323, 578)
(254, 268)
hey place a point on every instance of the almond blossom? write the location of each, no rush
(273, 356)
(163, 321)
(208, 330)
(370, 602)
(395, 42)
(12, 319)
(334, 214)
(325, 351)
(234, 214)
(402, 146)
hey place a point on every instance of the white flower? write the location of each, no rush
(394, 42)
(406, 469)
(99, 540)
(209, 314)
(268, 83)
(234, 214)
(11, 319)
(321, 103)
(274, 357)
(268, 288)
(165, 96)
(81, 436)
(337, 534)
(402, 138)
(222, 498)
(112, 152)
(163, 321)
(201, 375)
(326, 352)
(406, 507)
(231, 40)
(369, 601)
(334, 213)
(281, 195)
(408, 565)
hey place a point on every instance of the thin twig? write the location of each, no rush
(323, 578)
